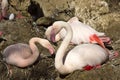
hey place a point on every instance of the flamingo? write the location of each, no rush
(4, 6)
(81, 57)
(82, 33)
(23, 55)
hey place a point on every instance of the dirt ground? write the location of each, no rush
(21, 30)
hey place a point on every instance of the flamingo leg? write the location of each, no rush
(88, 67)
(114, 55)
(9, 69)
(105, 39)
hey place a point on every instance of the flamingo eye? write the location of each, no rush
(55, 29)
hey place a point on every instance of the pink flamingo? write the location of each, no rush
(82, 33)
(81, 57)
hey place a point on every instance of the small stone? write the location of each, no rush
(12, 16)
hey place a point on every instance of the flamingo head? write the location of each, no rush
(56, 27)
(48, 33)
(46, 44)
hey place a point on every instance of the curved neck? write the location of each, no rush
(34, 49)
(62, 49)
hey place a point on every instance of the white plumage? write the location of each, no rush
(80, 56)
(81, 32)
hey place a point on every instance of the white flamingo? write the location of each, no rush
(81, 57)
(82, 33)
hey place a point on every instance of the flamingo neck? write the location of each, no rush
(62, 49)
(4, 3)
(34, 49)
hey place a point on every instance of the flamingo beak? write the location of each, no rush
(51, 50)
(52, 35)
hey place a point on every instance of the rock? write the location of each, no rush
(35, 10)
(20, 5)
(104, 21)
(59, 10)
(46, 22)
(91, 9)
(16, 6)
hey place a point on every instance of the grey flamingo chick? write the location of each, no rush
(23, 55)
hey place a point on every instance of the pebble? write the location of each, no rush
(12, 16)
